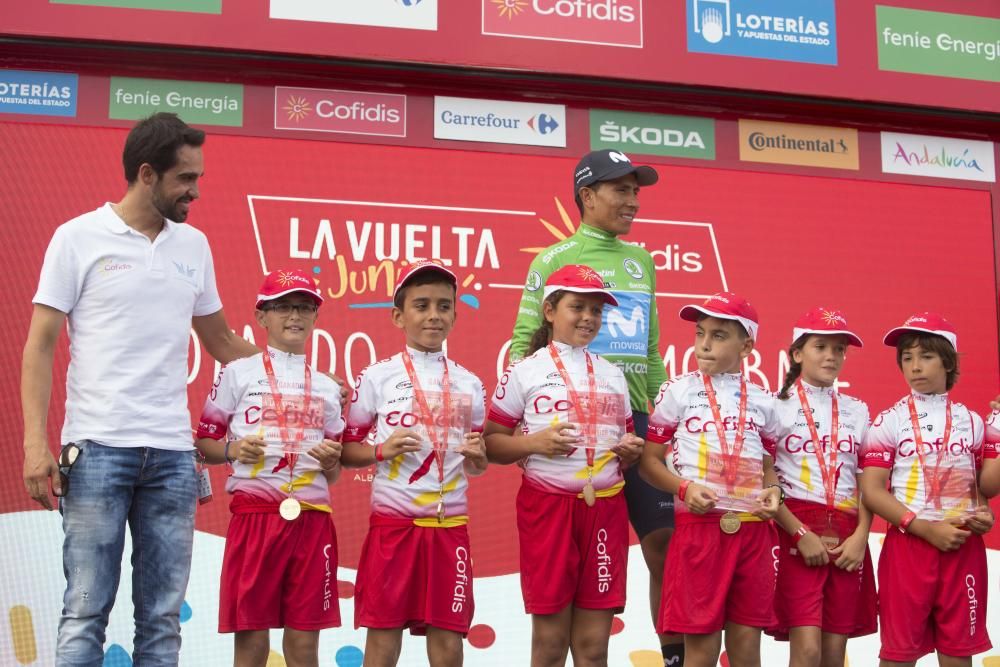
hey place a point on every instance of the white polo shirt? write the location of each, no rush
(129, 303)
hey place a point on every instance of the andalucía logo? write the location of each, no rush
(801, 31)
(605, 22)
(496, 121)
(939, 157)
(344, 111)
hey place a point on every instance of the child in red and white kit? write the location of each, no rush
(720, 568)
(928, 450)
(826, 582)
(427, 414)
(576, 435)
(278, 424)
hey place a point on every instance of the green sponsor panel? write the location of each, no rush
(953, 45)
(194, 101)
(652, 134)
(199, 6)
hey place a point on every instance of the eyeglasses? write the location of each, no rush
(284, 309)
(67, 457)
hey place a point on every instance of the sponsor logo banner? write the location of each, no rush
(606, 22)
(494, 121)
(413, 14)
(193, 101)
(653, 134)
(199, 6)
(919, 155)
(346, 111)
(38, 93)
(954, 45)
(808, 145)
(804, 31)
(625, 329)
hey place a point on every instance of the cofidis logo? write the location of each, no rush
(800, 30)
(807, 145)
(38, 93)
(344, 111)
(939, 157)
(413, 14)
(605, 22)
(495, 121)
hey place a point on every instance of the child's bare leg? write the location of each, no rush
(444, 647)
(550, 634)
(589, 635)
(251, 648)
(805, 646)
(301, 648)
(382, 647)
(953, 660)
(743, 645)
(834, 649)
(702, 650)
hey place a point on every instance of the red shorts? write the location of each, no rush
(277, 573)
(823, 596)
(411, 577)
(711, 578)
(931, 600)
(571, 553)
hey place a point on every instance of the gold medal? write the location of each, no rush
(290, 509)
(730, 523)
(441, 510)
(830, 540)
(589, 496)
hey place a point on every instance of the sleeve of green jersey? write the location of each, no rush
(655, 374)
(529, 310)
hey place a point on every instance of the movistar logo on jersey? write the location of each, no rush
(625, 329)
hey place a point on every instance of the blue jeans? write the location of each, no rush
(155, 491)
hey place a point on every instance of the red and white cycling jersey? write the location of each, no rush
(241, 404)
(409, 486)
(991, 447)
(795, 453)
(532, 392)
(890, 445)
(684, 415)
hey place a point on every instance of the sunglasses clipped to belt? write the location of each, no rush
(67, 457)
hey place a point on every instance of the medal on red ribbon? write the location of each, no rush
(439, 439)
(290, 507)
(587, 419)
(827, 469)
(932, 477)
(730, 522)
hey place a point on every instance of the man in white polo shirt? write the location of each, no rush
(131, 280)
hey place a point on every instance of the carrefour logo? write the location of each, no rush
(803, 31)
(497, 121)
(543, 123)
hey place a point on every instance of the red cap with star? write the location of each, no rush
(827, 322)
(280, 282)
(578, 278)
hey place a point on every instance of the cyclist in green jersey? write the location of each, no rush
(606, 188)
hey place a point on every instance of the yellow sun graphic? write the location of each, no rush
(285, 278)
(297, 108)
(831, 317)
(559, 234)
(510, 8)
(588, 274)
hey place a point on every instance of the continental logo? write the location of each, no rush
(806, 145)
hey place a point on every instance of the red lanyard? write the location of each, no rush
(440, 444)
(730, 457)
(931, 478)
(588, 418)
(826, 471)
(286, 437)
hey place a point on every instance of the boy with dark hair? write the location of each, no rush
(928, 451)
(719, 572)
(427, 413)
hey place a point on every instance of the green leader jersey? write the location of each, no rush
(630, 333)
